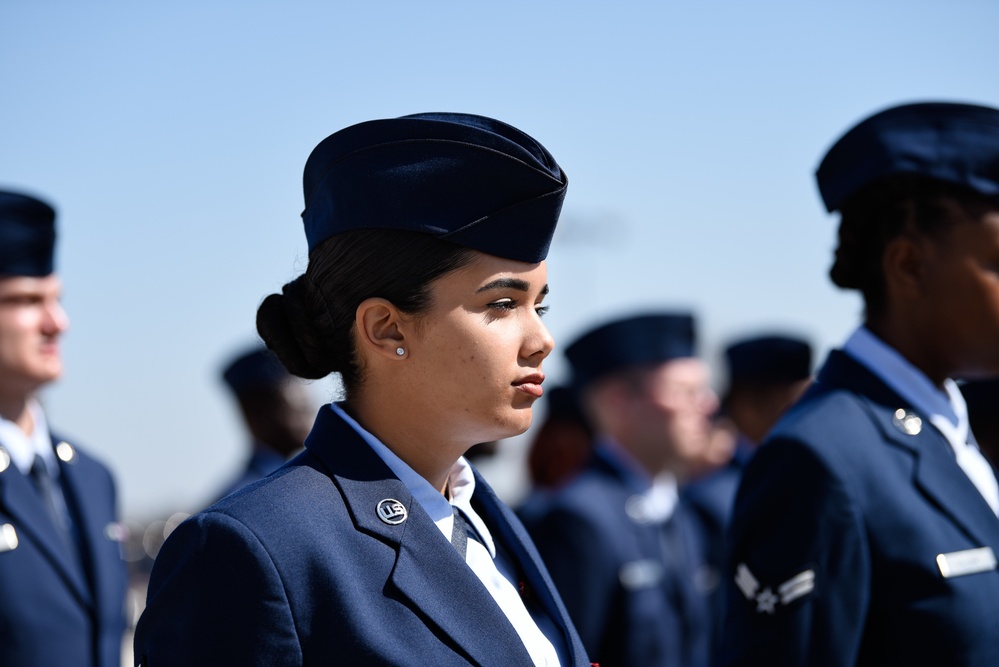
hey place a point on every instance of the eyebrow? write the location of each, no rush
(509, 283)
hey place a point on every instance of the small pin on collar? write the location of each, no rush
(391, 511)
(907, 422)
(65, 452)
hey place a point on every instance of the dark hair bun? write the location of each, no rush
(291, 325)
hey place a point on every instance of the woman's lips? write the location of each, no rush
(531, 385)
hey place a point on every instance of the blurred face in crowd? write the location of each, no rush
(756, 408)
(280, 417)
(661, 414)
(31, 323)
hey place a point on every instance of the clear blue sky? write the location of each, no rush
(172, 136)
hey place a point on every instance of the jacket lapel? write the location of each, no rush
(428, 570)
(92, 527)
(20, 500)
(937, 474)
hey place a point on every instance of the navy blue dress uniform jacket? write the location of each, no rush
(298, 569)
(629, 584)
(846, 523)
(59, 609)
(262, 462)
(710, 501)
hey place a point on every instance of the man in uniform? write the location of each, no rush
(621, 549)
(766, 374)
(62, 579)
(276, 409)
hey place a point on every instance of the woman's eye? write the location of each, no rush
(541, 310)
(504, 304)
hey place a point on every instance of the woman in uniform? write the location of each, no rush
(379, 544)
(865, 530)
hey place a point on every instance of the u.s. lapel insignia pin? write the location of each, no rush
(392, 512)
(907, 422)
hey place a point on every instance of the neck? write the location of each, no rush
(900, 336)
(14, 408)
(421, 443)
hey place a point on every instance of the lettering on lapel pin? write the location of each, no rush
(8, 538)
(392, 512)
(969, 561)
(907, 422)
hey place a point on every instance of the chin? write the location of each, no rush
(513, 424)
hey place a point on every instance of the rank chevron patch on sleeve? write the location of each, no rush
(766, 601)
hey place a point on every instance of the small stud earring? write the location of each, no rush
(400, 351)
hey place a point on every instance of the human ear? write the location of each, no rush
(380, 328)
(904, 266)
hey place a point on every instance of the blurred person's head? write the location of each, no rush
(562, 444)
(275, 406)
(644, 387)
(917, 187)
(32, 319)
(766, 375)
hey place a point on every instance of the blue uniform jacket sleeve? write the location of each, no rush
(798, 576)
(210, 566)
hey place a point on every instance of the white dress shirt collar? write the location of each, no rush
(22, 447)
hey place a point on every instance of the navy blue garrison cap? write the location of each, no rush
(634, 341)
(466, 179)
(956, 143)
(769, 360)
(27, 235)
(256, 369)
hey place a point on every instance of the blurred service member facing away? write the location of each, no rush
(276, 409)
(621, 548)
(865, 529)
(380, 544)
(62, 578)
(766, 375)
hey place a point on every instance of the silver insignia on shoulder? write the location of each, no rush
(766, 600)
(907, 422)
(65, 452)
(8, 537)
(392, 512)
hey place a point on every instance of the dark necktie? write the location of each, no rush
(53, 501)
(461, 531)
